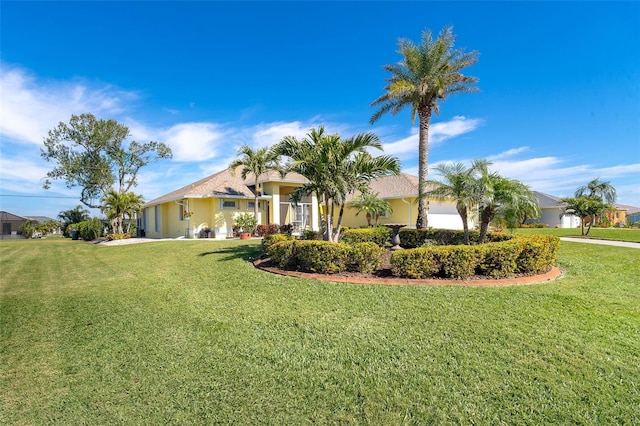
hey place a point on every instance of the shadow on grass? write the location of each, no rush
(243, 252)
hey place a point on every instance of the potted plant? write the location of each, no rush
(247, 224)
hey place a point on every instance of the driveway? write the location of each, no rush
(603, 242)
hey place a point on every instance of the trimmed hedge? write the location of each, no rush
(365, 257)
(530, 254)
(413, 238)
(271, 239)
(520, 254)
(379, 235)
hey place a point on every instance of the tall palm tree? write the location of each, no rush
(427, 74)
(255, 162)
(458, 183)
(334, 168)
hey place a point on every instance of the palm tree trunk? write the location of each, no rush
(255, 207)
(336, 236)
(424, 116)
(487, 215)
(465, 224)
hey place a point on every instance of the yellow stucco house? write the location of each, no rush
(216, 199)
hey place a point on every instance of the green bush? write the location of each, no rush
(308, 234)
(90, 229)
(365, 257)
(413, 238)
(538, 254)
(498, 259)
(414, 263)
(323, 257)
(506, 256)
(270, 239)
(282, 253)
(379, 235)
(457, 261)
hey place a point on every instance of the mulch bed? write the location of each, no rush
(383, 275)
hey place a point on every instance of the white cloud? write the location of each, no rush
(438, 133)
(29, 107)
(194, 141)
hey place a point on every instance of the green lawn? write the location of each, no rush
(184, 332)
(618, 234)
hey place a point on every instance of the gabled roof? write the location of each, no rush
(40, 219)
(224, 184)
(403, 185)
(546, 201)
(10, 216)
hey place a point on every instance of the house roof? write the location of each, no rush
(225, 184)
(40, 219)
(10, 216)
(548, 201)
(403, 185)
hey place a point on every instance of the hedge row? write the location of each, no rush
(413, 238)
(324, 257)
(379, 235)
(531, 254)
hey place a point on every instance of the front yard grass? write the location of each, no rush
(184, 332)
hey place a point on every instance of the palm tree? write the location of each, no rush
(256, 162)
(598, 188)
(457, 183)
(500, 194)
(116, 205)
(428, 74)
(372, 205)
(334, 168)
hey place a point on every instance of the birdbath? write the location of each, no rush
(395, 238)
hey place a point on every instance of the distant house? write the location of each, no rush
(551, 209)
(216, 199)
(633, 215)
(11, 224)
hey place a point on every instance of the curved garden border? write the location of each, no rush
(550, 275)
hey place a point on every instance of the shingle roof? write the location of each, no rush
(548, 201)
(10, 216)
(226, 184)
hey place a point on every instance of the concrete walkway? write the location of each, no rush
(603, 242)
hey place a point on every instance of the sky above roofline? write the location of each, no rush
(558, 105)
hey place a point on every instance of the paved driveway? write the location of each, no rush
(603, 242)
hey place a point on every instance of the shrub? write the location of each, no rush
(457, 261)
(323, 257)
(538, 253)
(365, 257)
(262, 230)
(378, 235)
(286, 229)
(282, 253)
(271, 239)
(308, 234)
(414, 263)
(90, 229)
(498, 259)
(429, 243)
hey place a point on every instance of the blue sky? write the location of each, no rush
(559, 100)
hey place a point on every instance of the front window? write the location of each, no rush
(229, 204)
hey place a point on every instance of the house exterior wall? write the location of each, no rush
(551, 217)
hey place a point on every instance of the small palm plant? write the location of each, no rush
(372, 205)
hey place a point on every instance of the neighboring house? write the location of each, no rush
(618, 217)
(551, 209)
(633, 215)
(11, 224)
(216, 199)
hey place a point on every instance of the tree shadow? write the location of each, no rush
(244, 252)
